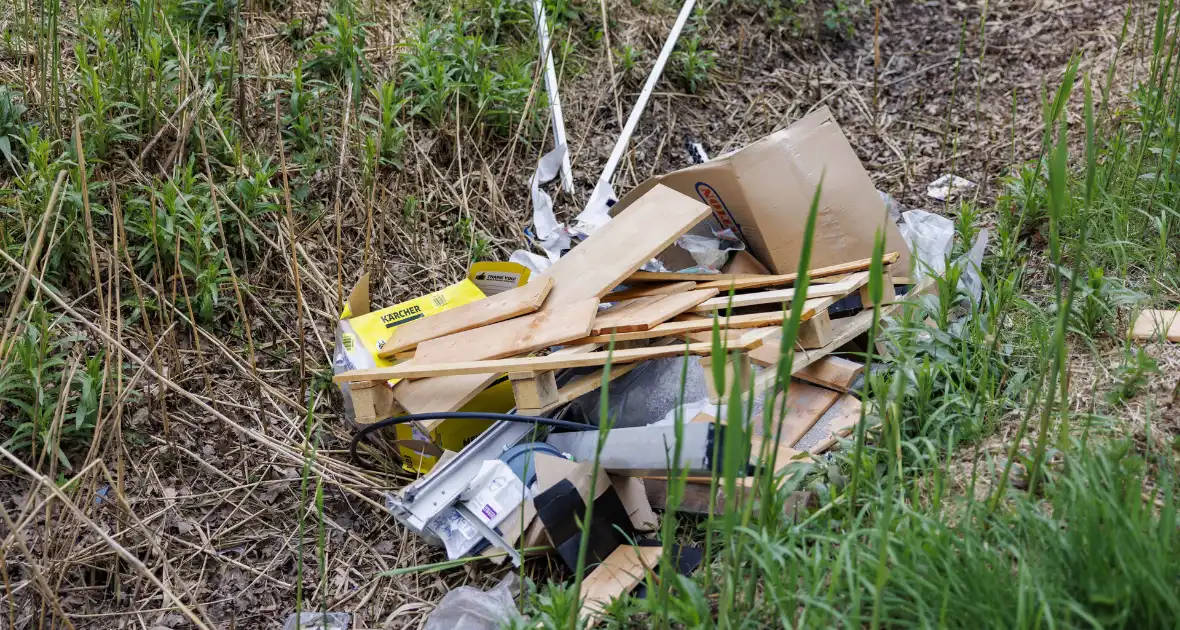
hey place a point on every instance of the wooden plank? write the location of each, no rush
(693, 325)
(805, 403)
(888, 293)
(497, 308)
(1153, 325)
(645, 312)
(614, 251)
(783, 295)
(533, 390)
(515, 336)
(617, 574)
(758, 282)
(832, 372)
(674, 276)
(597, 265)
(579, 387)
(413, 369)
(645, 290)
(840, 420)
(815, 332)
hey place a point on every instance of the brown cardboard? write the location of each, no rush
(764, 192)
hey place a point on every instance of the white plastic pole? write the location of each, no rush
(567, 175)
(641, 103)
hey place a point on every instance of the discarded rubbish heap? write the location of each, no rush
(493, 385)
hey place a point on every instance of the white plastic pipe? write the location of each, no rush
(567, 175)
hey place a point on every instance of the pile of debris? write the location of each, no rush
(493, 384)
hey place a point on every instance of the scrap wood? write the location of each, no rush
(614, 251)
(579, 387)
(591, 269)
(681, 327)
(1154, 325)
(783, 295)
(645, 312)
(513, 337)
(511, 303)
(832, 372)
(674, 276)
(757, 282)
(644, 290)
(411, 369)
(618, 573)
(836, 423)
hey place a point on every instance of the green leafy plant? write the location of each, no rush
(339, 51)
(840, 17)
(1132, 376)
(628, 57)
(695, 63)
(12, 128)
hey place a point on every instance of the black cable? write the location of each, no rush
(443, 415)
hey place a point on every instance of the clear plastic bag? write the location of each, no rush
(469, 608)
(317, 621)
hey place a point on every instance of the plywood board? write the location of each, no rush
(644, 290)
(497, 308)
(646, 312)
(757, 282)
(614, 251)
(782, 295)
(1153, 325)
(832, 372)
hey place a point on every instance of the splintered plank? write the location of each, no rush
(675, 276)
(836, 423)
(646, 312)
(805, 403)
(614, 251)
(841, 289)
(832, 372)
(758, 282)
(590, 270)
(644, 290)
(497, 308)
(515, 336)
(413, 369)
(1153, 325)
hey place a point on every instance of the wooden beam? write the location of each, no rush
(533, 390)
(783, 295)
(497, 308)
(832, 372)
(758, 282)
(815, 332)
(694, 325)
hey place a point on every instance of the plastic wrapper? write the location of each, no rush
(930, 237)
(468, 608)
(317, 621)
(646, 394)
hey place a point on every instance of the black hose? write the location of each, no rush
(443, 415)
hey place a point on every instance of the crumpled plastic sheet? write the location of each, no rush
(710, 253)
(931, 237)
(468, 608)
(317, 621)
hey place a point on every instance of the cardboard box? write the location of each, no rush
(764, 192)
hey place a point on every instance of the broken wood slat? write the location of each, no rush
(815, 332)
(728, 335)
(649, 290)
(695, 324)
(497, 308)
(615, 250)
(805, 404)
(597, 265)
(645, 312)
(515, 336)
(832, 372)
(618, 573)
(758, 282)
(413, 369)
(736, 367)
(1154, 325)
(839, 421)
(783, 295)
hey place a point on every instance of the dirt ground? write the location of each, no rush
(924, 91)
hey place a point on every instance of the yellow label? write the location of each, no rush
(373, 329)
(497, 277)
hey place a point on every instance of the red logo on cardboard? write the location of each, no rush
(713, 200)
